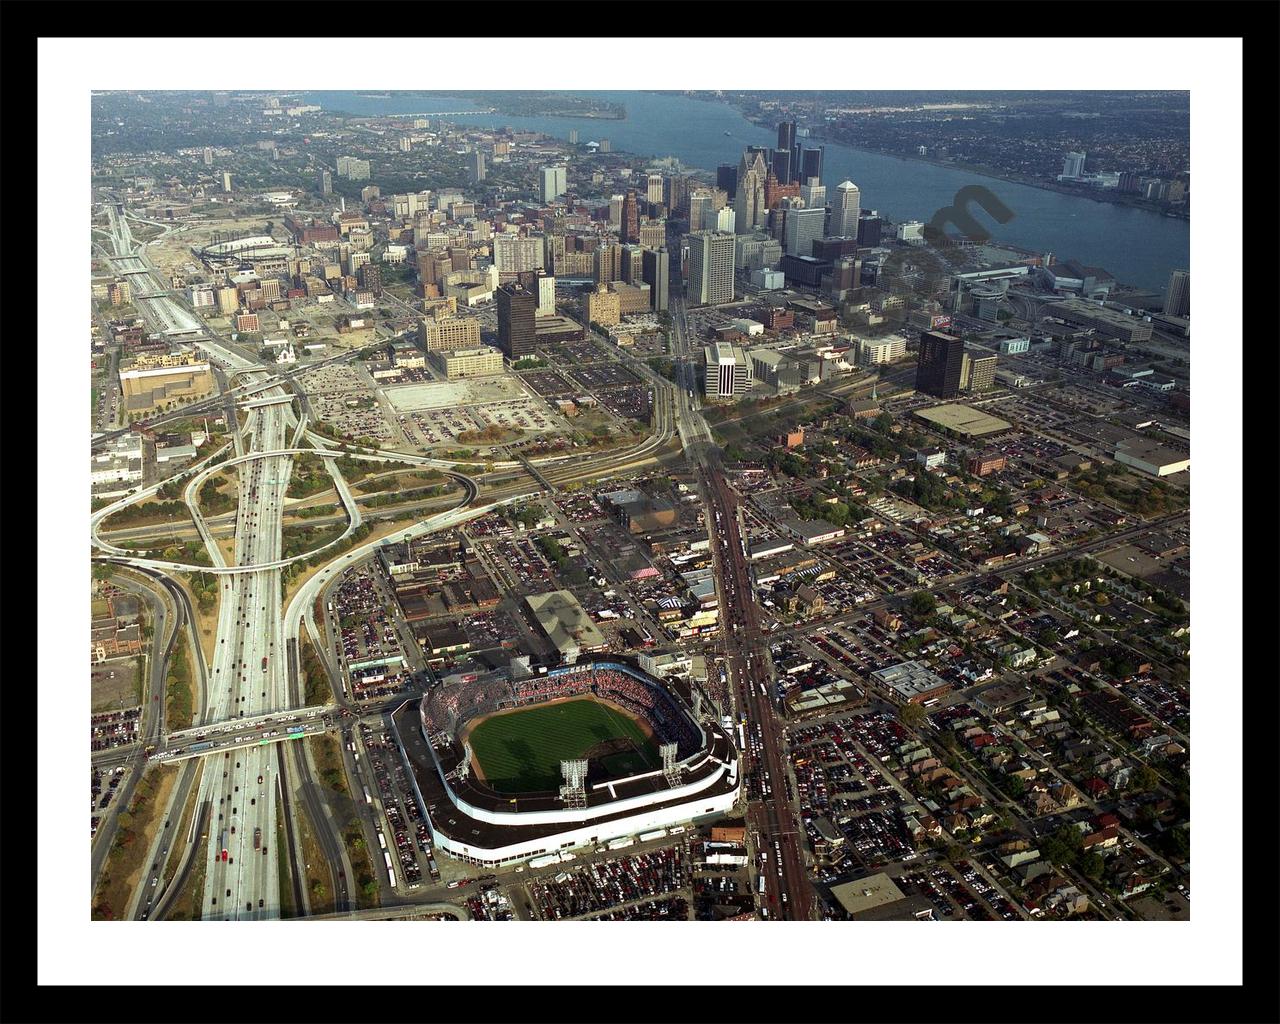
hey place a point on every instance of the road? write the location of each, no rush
(164, 623)
(774, 817)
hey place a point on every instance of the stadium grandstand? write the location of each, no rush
(507, 770)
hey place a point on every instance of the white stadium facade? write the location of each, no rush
(699, 779)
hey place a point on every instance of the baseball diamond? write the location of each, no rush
(520, 750)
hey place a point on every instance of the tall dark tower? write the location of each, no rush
(782, 165)
(517, 308)
(811, 164)
(630, 218)
(941, 359)
(784, 162)
(786, 135)
(727, 179)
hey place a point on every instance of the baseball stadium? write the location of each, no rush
(511, 769)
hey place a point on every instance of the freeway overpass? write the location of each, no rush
(254, 738)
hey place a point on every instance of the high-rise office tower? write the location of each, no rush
(208, 156)
(653, 189)
(781, 165)
(615, 211)
(677, 193)
(656, 272)
(940, 363)
(1073, 165)
(632, 264)
(727, 179)
(722, 219)
(700, 200)
(573, 136)
(554, 183)
(477, 166)
(517, 308)
(727, 372)
(810, 164)
(784, 163)
(710, 267)
(786, 135)
(803, 228)
(868, 229)
(814, 193)
(606, 262)
(846, 206)
(1177, 296)
(605, 146)
(749, 206)
(546, 294)
(629, 230)
(326, 183)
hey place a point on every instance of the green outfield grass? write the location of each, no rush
(521, 752)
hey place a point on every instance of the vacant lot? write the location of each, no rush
(520, 751)
(115, 684)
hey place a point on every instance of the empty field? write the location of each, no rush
(520, 751)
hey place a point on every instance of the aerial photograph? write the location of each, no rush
(688, 505)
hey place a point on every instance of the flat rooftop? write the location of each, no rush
(863, 894)
(962, 419)
(564, 620)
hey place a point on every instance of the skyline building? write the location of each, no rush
(710, 268)
(749, 206)
(517, 309)
(810, 164)
(846, 208)
(656, 273)
(629, 228)
(1177, 295)
(803, 227)
(727, 179)
(940, 364)
(554, 182)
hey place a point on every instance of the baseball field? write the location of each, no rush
(520, 751)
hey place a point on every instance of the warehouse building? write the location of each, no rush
(565, 623)
(1110, 322)
(1151, 458)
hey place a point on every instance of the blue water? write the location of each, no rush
(1138, 247)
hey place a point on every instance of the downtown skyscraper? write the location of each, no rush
(749, 207)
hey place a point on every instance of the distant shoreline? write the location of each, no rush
(1098, 196)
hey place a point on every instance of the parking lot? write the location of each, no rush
(592, 889)
(103, 784)
(406, 837)
(114, 728)
(368, 645)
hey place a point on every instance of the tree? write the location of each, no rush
(911, 715)
(922, 603)
(1144, 779)
(1090, 865)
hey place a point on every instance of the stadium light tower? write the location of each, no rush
(574, 790)
(669, 767)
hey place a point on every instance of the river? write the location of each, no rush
(1137, 246)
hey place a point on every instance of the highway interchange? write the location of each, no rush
(251, 696)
